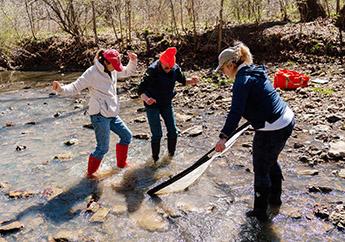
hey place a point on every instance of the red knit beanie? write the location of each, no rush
(167, 57)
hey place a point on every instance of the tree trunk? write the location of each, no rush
(194, 20)
(129, 19)
(181, 15)
(31, 18)
(310, 10)
(173, 18)
(337, 9)
(94, 22)
(220, 26)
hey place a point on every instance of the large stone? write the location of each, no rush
(20, 194)
(307, 172)
(341, 173)
(182, 118)
(193, 131)
(337, 149)
(64, 156)
(11, 227)
(100, 215)
(141, 119)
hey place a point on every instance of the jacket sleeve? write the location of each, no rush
(128, 70)
(145, 82)
(84, 81)
(180, 77)
(239, 99)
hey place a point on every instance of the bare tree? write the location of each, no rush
(310, 10)
(31, 17)
(94, 22)
(173, 18)
(220, 26)
(128, 7)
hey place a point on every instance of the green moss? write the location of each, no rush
(324, 91)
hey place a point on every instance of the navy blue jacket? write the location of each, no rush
(160, 85)
(254, 98)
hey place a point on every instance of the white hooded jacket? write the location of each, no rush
(103, 97)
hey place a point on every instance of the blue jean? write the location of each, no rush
(153, 116)
(267, 146)
(102, 127)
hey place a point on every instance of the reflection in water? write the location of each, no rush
(57, 210)
(252, 230)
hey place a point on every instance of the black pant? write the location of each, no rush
(267, 146)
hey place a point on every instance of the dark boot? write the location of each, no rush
(155, 150)
(172, 146)
(260, 205)
(121, 155)
(276, 191)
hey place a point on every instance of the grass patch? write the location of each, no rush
(324, 91)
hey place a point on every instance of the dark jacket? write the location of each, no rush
(254, 98)
(160, 85)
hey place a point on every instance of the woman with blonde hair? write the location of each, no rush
(101, 80)
(255, 99)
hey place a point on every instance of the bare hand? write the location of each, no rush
(56, 86)
(148, 100)
(193, 81)
(132, 56)
(220, 146)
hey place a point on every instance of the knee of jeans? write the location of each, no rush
(126, 139)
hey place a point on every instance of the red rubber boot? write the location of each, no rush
(92, 166)
(121, 155)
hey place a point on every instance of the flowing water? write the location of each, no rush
(60, 202)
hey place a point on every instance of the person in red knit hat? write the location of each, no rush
(157, 92)
(101, 80)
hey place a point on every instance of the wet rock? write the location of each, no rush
(9, 124)
(337, 217)
(88, 126)
(333, 118)
(51, 192)
(247, 145)
(71, 142)
(64, 236)
(10, 227)
(2, 240)
(58, 114)
(20, 194)
(64, 156)
(337, 149)
(291, 212)
(149, 220)
(307, 172)
(93, 207)
(141, 119)
(4, 185)
(298, 145)
(20, 148)
(52, 94)
(193, 131)
(341, 173)
(183, 117)
(141, 110)
(141, 136)
(78, 106)
(119, 209)
(100, 215)
(321, 211)
(31, 123)
(304, 159)
(319, 189)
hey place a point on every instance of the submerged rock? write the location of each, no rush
(141, 119)
(20, 148)
(20, 194)
(341, 173)
(307, 172)
(100, 215)
(183, 117)
(291, 212)
(64, 235)
(320, 189)
(64, 156)
(71, 142)
(11, 227)
(193, 131)
(141, 136)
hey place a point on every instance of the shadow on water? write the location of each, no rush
(58, 209)
(136, 182)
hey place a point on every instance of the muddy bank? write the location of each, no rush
(270, 42)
